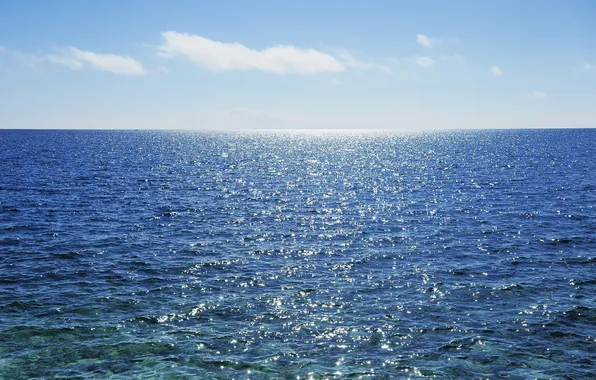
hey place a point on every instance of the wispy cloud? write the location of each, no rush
(423, 40)
(535, 95)
(349, 60)
(496, 71)
(429, 42)
(76, 59)
(69, 62)
(34, 62)
(30, 60)
(588, 66)
(223, 56)
(425, 62)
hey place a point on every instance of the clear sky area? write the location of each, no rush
(245, 65)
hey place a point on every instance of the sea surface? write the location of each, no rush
(154, 254)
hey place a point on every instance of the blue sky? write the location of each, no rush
(400, 65)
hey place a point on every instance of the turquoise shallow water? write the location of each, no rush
(203, 255)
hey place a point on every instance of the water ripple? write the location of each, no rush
(175, 254)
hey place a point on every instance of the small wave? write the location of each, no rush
(10, 242)
(8, 209)
(67, 255)
(462, 344)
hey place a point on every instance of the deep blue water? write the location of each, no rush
(203, 255)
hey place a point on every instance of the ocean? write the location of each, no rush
(156, 254)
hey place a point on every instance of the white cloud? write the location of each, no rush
(222, 56)
(425, 62)
(66, 61)
(76, 59)
(349, 61)
(426, 41)
(496, 71)
(423, 40)
(336, 82)
(588, 66)
(115, 64)
(535, 95)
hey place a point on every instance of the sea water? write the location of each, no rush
(463, 254)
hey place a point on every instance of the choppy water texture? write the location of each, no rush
(178, 254)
